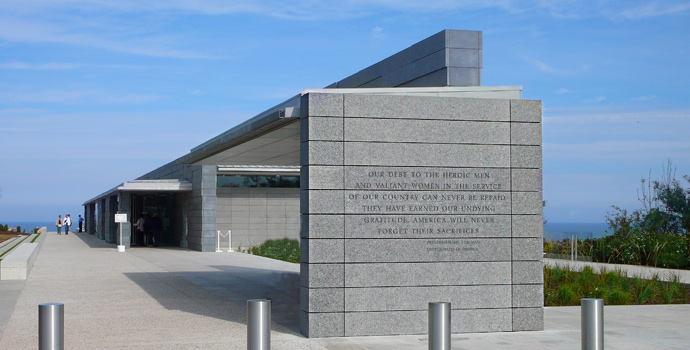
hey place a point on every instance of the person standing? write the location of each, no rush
(68, 223)
(156, 227)
(58, 223)
(140, 225)
(81, 224)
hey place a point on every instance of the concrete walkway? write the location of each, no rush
(151, 298)
(644, 272)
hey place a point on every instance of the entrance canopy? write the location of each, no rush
(167, 185)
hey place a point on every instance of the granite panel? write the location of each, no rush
(527, 203)
(464, 58)
(421, 178)
(322, 299)
(525, 156)
(525, 134)
(527, 180)
(321, 250)
(437, 78)
(409, 56)
(426, 250)
(426, 202)
(418, 298)
(321, 105)
(386, 323)
(322, 226)
(321, 153)
(440, 155)
(465, 39)
(426, 226)
(322, 202)
(416, 322)
(527, 272)
(528, 319)
(528, 248)
(322, 325)
(528, 226)
(436, 131)
(426, 274)
(464, 76)
(525, 111)
(481, 320)
(528, 295)
(322, 275)
(420, 107)
(405, 73)
(316, 177)
(322, 129)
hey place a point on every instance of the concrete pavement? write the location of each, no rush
(151, 298)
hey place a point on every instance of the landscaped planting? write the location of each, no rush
(564, 287)
(279, 249)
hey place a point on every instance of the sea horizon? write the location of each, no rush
(552, 230)
(583, 230)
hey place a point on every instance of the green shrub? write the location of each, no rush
(279, 249)
(617, 296)
(646, 295)
(612, 286)
(566, 295)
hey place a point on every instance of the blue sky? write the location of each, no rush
(94, 93)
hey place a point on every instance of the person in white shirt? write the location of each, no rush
(68, 223)
(140, 225)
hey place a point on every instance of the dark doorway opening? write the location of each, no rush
(152, 207)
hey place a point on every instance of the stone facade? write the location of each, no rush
(258, 214)
(407, 200)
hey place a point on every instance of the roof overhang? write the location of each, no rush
(273, 137)
(171, 185)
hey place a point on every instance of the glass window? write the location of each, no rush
(283, 181)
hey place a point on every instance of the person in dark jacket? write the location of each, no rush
(156, 229)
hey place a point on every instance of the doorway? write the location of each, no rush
(149, 206)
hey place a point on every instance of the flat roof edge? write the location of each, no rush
(414, 90)
(104, 194)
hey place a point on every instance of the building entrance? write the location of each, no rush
(158, 212)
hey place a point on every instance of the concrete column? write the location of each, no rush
(202, 209)
(125, 207)
(91, 219)
(208, 208)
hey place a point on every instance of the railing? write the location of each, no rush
(229, 240)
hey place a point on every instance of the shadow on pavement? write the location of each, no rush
(223, 294)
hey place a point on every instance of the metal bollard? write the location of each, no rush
(592, 324)
(439, 326)
(258, 324)
(51, 326)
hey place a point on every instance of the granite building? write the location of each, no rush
(406, 182)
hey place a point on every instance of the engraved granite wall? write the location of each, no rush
(407, 200)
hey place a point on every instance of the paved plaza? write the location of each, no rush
(167, 298)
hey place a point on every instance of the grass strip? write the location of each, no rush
(15, 246)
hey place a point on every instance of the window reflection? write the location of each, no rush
(281, 181)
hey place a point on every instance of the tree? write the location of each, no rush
(665, 207)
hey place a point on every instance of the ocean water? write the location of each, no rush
(560, 230)
(30, 225)
(552, 230)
